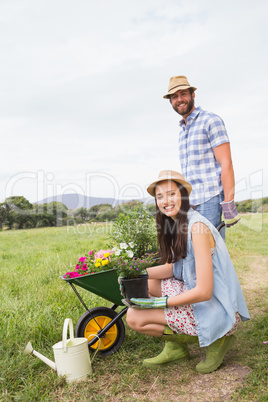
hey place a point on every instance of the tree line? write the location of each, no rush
(18, 213)
(253, 206)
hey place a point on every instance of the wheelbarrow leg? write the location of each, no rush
(78, 295)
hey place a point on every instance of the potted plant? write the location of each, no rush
(131, 271)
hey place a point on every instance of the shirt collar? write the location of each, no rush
(191, 116)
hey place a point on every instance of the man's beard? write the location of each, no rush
(188, 109)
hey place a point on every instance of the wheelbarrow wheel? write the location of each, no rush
(92, 321)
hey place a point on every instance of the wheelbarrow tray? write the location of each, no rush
(104, 284)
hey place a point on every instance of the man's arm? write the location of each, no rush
(223, 157)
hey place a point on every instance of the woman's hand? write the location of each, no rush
(151, 302)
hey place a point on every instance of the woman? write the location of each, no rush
(195, 295)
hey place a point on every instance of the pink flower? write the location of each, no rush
(91, 252)
(84, 267)
(74, 274)
(99, 254)
(77, 266)
(82, 259)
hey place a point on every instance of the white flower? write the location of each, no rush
(130, 253)
(131, 244)
(123, 246)
(116, 251)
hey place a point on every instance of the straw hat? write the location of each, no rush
(176, 84)
(169, 175)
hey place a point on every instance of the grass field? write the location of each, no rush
(34, 302)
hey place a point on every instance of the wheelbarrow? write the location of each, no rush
(102, 326)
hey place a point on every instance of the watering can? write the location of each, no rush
(71, 355)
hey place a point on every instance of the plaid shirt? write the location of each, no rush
(204, 132)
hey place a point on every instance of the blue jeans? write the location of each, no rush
(212, 210)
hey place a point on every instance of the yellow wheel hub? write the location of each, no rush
(94, 326)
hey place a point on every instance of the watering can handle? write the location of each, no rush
(67, 323)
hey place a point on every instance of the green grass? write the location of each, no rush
(34, 302)
(247, 244)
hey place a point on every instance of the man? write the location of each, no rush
(205, 155)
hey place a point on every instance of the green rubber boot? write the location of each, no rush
(171, 352)
(215, 354)
(178, 338)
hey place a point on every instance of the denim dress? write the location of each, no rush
(214, 318)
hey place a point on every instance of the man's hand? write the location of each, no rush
(151, 302)
(230, 213)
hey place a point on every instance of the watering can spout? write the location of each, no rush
(29, 349)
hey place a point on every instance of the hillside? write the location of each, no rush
(74, 201)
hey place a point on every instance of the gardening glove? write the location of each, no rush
(151, 302)
(121, 287)
(127, 303)
(230, 213)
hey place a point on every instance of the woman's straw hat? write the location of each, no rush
(177, 84)
(169, 175)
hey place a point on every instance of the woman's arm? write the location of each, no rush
(160, 271)
(201, 237)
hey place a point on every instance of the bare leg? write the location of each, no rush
(147, 321)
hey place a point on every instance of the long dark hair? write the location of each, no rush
(172, 234)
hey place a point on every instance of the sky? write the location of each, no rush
(82, 85)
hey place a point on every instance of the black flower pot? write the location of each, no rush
(135, 287)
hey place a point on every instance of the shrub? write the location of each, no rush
(136, 226)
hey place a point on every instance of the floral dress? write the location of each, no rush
(181, 318)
